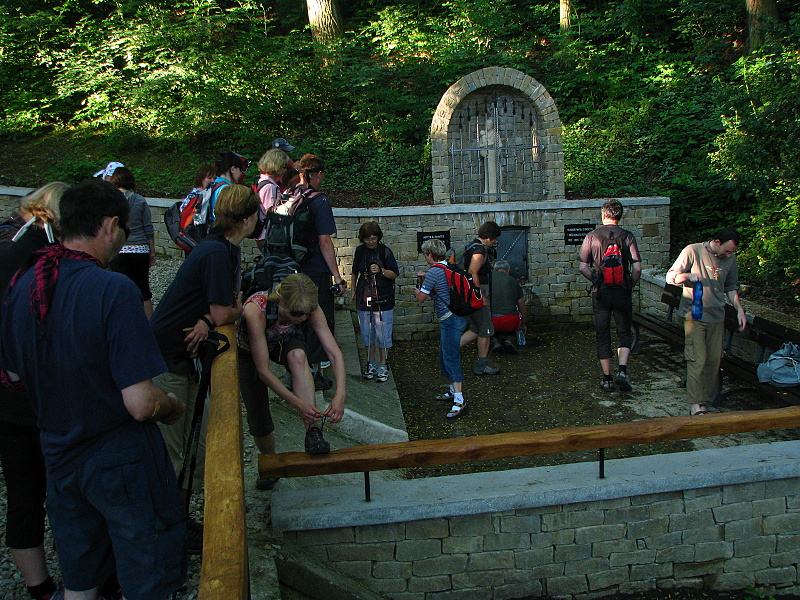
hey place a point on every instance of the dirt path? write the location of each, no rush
(553, 382)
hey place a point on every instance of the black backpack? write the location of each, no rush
(289, 226)
(267, 272)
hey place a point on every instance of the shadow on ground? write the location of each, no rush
(554, 382)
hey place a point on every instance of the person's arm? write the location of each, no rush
(733, 297)
(145, 402)
(152, 243)
(475, 264)
(636, 272)
(681, 270)
(256, 324)
(317, 321)
(585, 256)
(329, 254)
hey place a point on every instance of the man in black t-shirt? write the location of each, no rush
(611, 300)
(478, 259)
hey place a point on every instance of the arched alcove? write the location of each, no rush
(496, 137)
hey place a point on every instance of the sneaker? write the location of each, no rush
(508, 346)
(623, 382)
(606, 385)
(315, 443)
(486, 369)
(325, 364)
(321, 382)
(369, 373)
(194, 537)
(267, 483)
(382, 373)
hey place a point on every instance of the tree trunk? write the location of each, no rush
(325, 20)
(760, 13)
(565, 15)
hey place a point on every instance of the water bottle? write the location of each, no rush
(521, 341)
(697, 301)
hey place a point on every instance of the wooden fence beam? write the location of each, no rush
(424, 453)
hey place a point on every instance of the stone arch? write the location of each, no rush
(496, 136)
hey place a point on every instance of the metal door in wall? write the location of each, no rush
(512, 246)
(494, 154)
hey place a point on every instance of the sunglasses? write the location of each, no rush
(299, 313)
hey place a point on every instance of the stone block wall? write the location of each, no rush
(722, 536)
(557, 291)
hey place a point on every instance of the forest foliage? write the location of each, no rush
(656, 98)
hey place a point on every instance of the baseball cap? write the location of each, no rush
(109, 169)
(282, 144)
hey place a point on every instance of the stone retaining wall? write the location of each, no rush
(718, 519)
(558, 293)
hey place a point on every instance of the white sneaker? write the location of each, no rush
(369, 373)
(325, 364)
(382, 373)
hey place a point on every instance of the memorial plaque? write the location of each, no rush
(574, 234)
(433, 235)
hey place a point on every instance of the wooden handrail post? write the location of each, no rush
(224, 574)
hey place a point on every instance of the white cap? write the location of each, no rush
(109, 170)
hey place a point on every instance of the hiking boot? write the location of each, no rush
(382, 373)
(267, 483)
(321, 382)
(486, 369)
(370, 371)
(606, 385)
(315, 443)
(623, 381)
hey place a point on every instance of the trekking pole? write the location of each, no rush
(215, 344)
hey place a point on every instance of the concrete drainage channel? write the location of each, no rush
(373, 416)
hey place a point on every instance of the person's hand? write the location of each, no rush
(742, 320)
(375, 268)
(353, 296)
(195, 335)
(178, 409)
(308, 412)
(693, 277)
(335, 411)
(152, 261)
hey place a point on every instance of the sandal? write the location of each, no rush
(703, 410)
(446, 397)
(457, 410)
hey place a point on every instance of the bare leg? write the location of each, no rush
(623, 354)
(467, 337)
(148, 308)
(32, 564)
(605, 363)
(302, 380)
(483, 347)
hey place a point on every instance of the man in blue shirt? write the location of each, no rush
(77, 338)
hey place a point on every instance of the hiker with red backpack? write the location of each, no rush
(435, 285)
(609, 258)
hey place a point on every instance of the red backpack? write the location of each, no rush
(465, 296)
(613, 264)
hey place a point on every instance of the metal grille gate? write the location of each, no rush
(494, 154)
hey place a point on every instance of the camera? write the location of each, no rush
(335, 289)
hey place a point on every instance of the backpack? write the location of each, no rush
(187, 220)
(267, 272)
(461, 256)
(613, 268)
(289, 226)
(465, 296)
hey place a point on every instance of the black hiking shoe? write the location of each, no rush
(315, 443)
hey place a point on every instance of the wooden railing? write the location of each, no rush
(224, 574)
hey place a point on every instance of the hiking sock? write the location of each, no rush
(44, 590)
(608, 377)
(452, 391)
(458, 398)
(623, 368)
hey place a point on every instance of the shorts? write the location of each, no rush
(125, 495)
(255, 395)
(376, 327)
(279, 351)
(480, 322)
(137, 267)
(507, 323)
